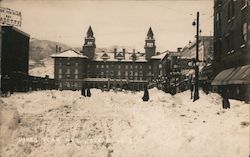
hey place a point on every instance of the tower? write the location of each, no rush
(89, 44)
(149, 45)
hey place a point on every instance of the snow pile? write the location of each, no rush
(9, 120)
(63, 123)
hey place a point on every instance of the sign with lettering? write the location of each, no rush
(9, 17)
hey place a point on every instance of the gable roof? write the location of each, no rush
(160, 56)
(70, 53)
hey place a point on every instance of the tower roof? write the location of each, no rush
(150, 33)
(90, 32)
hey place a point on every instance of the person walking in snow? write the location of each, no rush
(83, 91)
(225, 101)
(191, 89)
(146, 95)
(88, 93)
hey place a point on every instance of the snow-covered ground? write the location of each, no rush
(45, 67)
(63, 124)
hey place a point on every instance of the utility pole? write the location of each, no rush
(196, 89)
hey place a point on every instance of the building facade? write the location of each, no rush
(232, 47)
(14, 57)
(118, 69)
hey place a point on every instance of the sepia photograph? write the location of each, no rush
(124, 78)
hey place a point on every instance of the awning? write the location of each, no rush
(240, 75)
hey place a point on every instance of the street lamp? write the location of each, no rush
(196, 89)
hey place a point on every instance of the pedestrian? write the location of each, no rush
(88, 93)
(225, 101)
(191, 89)
(146, 95)
(83, 91)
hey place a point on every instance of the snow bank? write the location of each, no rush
(63, 123)
(9, 119)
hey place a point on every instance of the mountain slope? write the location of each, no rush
(41, 49)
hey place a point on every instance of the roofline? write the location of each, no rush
(18, 30)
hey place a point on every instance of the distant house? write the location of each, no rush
(109, 69)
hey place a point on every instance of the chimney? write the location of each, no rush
(179, 49)
(59, 49)
(123, 52)
(115, 52)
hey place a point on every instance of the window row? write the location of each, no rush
(102, 66)
(68, 63)
(68, 71)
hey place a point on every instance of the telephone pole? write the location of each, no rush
(196, 89)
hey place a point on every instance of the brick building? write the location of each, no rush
(14, 57)
(110, 69)
(232, 47)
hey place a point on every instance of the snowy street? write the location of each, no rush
(110, 124)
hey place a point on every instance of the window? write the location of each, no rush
(88, 66)
(60, 76)
(68, 71)
(218, 20)
(233, 7)
(76, 84)
(244, 32)
(76, 76)
(130, 73)
(140, 66)
(136, 67)
(107, 66)
(149, 67)
(60, 71)
(102, 66)
(230, 43)
(140, 73)
(60, 64)
(119, 66)
(76, 71)
(68, 76)
(126, 73)
(97, 66)
(126, 67)
(230, 10)
(60, 85)
(119, 73)
(112, 73)
(131, 66)
(76, 64)
(150, 44)
(89, 43)
(243, 4)
(136, 73)
(160, 66)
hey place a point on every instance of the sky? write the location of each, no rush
(123, 22)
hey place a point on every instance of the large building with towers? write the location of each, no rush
(120, 69)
